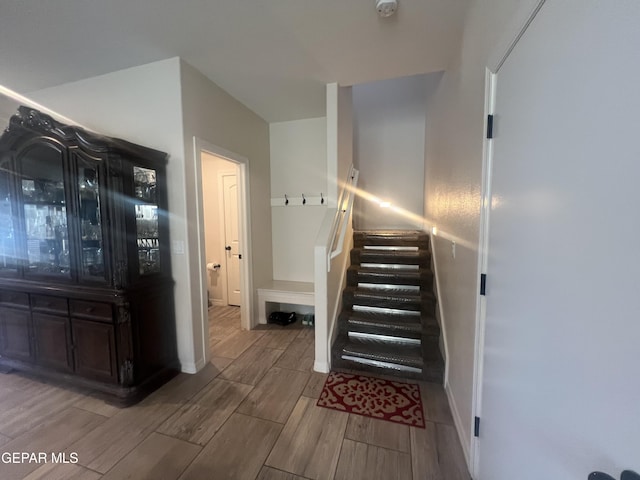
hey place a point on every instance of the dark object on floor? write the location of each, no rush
(600, 476)
(393, 401)
(629, 475)
(308, 319)
(282, 318)
(626, 475)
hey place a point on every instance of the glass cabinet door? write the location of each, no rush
(45, 211)
(146, 208)
(8, 257)
(90, 219)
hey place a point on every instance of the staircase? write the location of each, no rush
(387, 324)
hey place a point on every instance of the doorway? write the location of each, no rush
(221, 225)
(223, 213)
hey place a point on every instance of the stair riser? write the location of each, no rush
(422, 279)
(400, 258)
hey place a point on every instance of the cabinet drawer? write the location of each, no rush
(18, 299)
(98, 310)
(49, 303)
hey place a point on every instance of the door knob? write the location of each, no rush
(228, 247)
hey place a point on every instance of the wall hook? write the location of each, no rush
(286, 199)
(304, 200)
(321, 199)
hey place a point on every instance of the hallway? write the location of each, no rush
(249, 414)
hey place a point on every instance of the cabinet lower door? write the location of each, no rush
(95, 350)
(15, 334)
(52, 341)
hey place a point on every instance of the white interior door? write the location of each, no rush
(232, 243)
(561, 390)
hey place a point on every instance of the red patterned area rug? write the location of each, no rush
(373, 397)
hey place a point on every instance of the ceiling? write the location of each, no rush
(275, 56)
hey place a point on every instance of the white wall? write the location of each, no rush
(453, 174)
(389, 134)
(215, 117)
(212, 166)
(328, 285)
(298, 166)
(339, 138)
(143, 105)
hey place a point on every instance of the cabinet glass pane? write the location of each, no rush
(45, 212)
(144, 181)
(146, 220)
(8, 258)
(90, 221)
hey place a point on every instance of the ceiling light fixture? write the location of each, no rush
(386, 8)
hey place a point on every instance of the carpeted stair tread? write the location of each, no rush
(396, 298)
(399, 325)
(430, 370)
(406, 326)
(357, 274)
(409, 356)
(390, 238)
(401, 257)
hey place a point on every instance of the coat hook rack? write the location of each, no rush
(302, 200)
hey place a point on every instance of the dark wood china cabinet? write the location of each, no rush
(86, 294)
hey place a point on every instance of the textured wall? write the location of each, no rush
(453, 177)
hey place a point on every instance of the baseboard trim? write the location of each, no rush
(322, 367)
(439, 313)
(457, 422)
(193, 367)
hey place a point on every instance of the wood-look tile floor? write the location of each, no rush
(249, 414)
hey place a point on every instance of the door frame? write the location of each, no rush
(222, 216)
(244, 227)
(514, 30)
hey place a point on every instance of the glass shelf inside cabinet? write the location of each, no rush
(148, 241)
(90, 222)
(144, 181)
